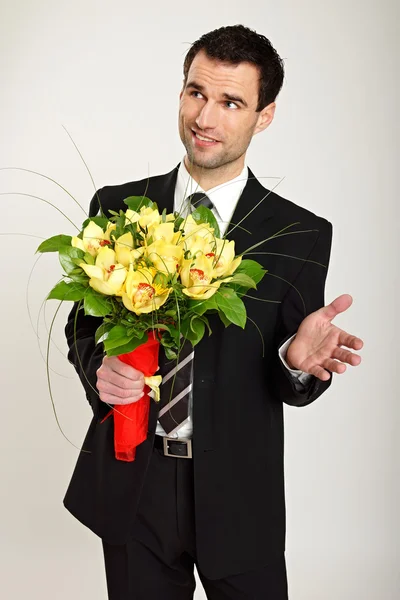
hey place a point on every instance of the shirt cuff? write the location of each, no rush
(298, 374)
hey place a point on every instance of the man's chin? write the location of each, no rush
(203, 162)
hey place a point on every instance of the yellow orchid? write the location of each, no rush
(165, 257)
(145, 217)
(190, 227)
(196, 244)
(106, 276)
(123, 248)
(224, 261)
(94, 238)
(164, 232)
(197, 275)
(136, 254)
(141, 294)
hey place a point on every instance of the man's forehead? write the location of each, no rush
(209, 72)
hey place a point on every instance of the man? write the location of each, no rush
(210, 490)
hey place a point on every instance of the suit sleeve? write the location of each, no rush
(310, 282)
(83, 353)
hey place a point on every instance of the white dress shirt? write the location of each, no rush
(224, 197)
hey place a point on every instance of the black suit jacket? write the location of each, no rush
(238, 433)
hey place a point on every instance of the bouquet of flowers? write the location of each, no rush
(153, 278)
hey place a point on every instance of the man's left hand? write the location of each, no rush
(317, 347)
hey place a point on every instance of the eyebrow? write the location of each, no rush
(230, 97)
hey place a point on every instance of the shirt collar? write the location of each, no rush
(224, 196)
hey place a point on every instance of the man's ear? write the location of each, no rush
(265, 117)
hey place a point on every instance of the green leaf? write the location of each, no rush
(80, 278)
(67, 291)
(162, 326)
(95, 304)
(100, 221)
(202, 214)
(201, 306)
(223, 318)
(137, 202)
(128, 347)
(117, 336)
(66, 255)
(243, 280)
(169, 353)
(193, 329)
(88, 258)
(54, 243)
(102, 330)
(251, 268)
(205, 321)
(177, 223)
(232, 306)
(164, 216)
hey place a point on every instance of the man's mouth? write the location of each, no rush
(203, 140)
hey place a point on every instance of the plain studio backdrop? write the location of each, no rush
(111, 74)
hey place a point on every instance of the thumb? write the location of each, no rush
(339, 305)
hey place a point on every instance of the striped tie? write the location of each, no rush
(176, 390)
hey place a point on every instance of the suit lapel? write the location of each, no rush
(163, 190)
(254, 207)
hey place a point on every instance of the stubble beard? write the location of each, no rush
(209, 162)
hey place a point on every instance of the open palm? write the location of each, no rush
(317, 347)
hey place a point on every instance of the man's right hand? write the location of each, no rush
(119, 383)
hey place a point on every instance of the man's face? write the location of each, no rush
(219, 103)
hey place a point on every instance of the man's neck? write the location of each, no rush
(210, 178)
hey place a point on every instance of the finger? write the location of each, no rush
(334, 366)
(120, 380)
(113, 363)
(350, 341)
(111, 399)
(109, 388)
(339, 305)
(319, 372)
(346, 356)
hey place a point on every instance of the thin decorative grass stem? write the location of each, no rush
(49, 381)
(275, 236)
(292, 285)
(288, 256)
(43, 200)
(261, 335)
(39, 237)
(87, 168)
(48, 332)
(45, 177)
(254, 207)
(38, 339)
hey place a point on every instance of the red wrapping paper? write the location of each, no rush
(131, 420)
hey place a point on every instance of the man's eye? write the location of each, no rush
(230, 102)
(195, 93)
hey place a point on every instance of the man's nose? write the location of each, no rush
(208, 117)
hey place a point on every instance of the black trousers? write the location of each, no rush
(158, 562)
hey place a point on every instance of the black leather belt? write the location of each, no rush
(179, 448)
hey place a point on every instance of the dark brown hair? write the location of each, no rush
(235, 44)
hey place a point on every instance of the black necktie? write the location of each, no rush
(176, 388)
(200, 199)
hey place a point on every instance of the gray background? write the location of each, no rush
(111, 74)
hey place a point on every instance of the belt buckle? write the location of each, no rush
(188, 443)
